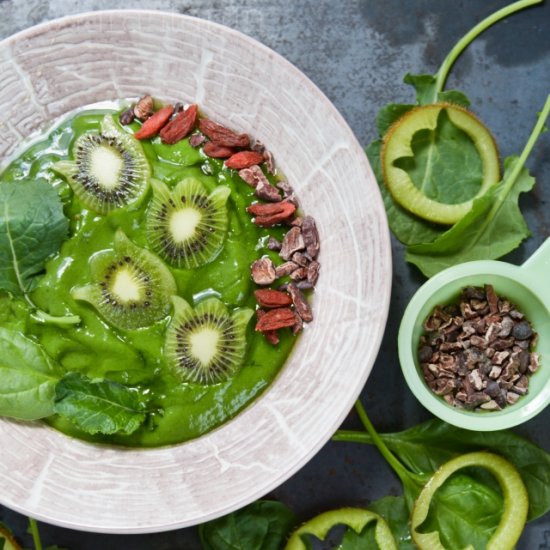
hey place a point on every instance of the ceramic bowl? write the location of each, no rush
(56, 67)
(525, 286)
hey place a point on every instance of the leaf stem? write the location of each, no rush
(408, 479)
(509, 181)
(441, 75)
(42, 317)
(352, 436)
(33, 527)
(510, 178)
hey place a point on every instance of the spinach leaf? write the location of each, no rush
(263, 525)
(396, 513)
(463, 511)
(493, 227)
(445, 165)
(104, 407)
(359, 541)
(427, 446)
(422, 449)
(32, 228)
(28, 377)
(407, 227)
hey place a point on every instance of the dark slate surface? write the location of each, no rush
(357, 52)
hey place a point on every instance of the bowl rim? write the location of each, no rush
(384, 298)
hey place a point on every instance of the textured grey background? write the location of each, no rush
(357, 52)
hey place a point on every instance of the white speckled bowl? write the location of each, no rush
(53, 68)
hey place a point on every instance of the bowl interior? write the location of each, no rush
(508, 282)
(54, 68)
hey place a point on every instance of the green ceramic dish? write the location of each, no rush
(526, 286)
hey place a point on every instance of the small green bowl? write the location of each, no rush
(527, 286)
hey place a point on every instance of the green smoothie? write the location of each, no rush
(178, 411)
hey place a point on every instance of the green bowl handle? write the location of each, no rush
(537, 267)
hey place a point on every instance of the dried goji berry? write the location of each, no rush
(276, 319)
(217, 151)
(270, 335)
(270, 214)
(180, 126)
(222, 135)
(243, 159)
(155, 123)
(267, 297)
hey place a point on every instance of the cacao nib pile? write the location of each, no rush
(286, 305)
(477, 353)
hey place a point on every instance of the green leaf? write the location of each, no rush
(263, 525)
(359, 541)
(396, 513)
(455, 512)
(32, 228)
(28, 377)
(99, 407)
(407, 227)
(493, 227)
(454, 96)
(424, 84)
(425, 447)
(445, 165)
(389, 114)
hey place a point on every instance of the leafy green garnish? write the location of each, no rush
(263, 525)
(32, 229)
(470, 492)
(422, 449)
(104, 406)
(493, 227)
(444, 168)
(28, 377)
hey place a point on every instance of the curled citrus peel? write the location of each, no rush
(516, 501)
(398, 144)
(7, 542)
(356, 518)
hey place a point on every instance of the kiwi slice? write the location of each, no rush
(397, 144)
(187, 226)
(109, 169)
(131, 288)
(207, 344)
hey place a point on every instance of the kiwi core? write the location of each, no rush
(126, 288)
(204, 344)
(106, 165)
(183, 223)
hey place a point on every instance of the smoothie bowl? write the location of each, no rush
(159, 267)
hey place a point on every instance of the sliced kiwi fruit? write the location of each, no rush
(186, 225)
(131, 288)
(397, 144)
(109, 170)
(207, 344)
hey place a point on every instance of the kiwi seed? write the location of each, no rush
(186, 226)
(207, 344)
(109, 169)
(131, 288)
